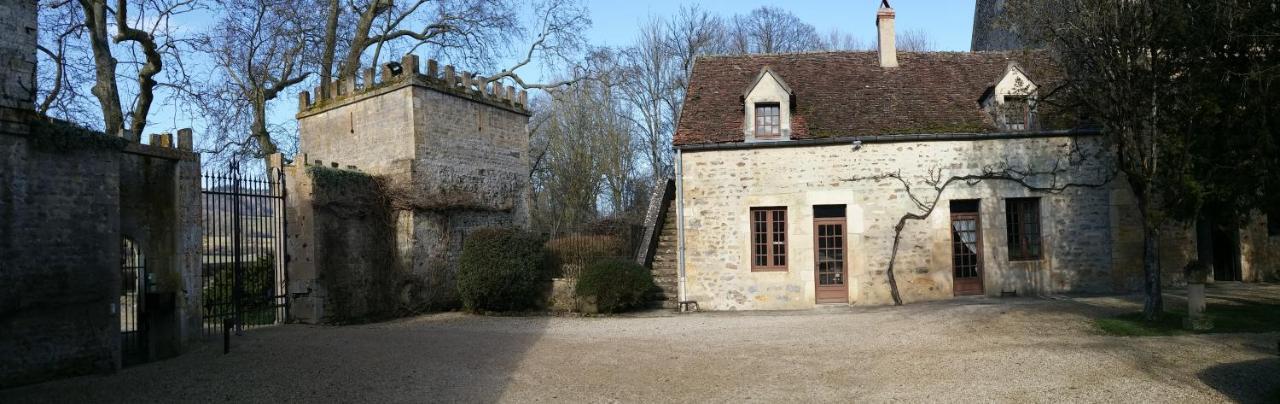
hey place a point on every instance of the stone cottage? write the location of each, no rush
(802, 177)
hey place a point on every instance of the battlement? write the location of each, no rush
(408, 72)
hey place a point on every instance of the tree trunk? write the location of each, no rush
(1153, 305)
(1204, 243)
(104, 86)
(266, 146)
(330, 47)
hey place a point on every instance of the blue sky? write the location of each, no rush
(948, 22)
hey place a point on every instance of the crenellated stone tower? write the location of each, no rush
(451, 151)
(989, 34)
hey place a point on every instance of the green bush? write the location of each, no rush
(501, 270)
(616, 284)
(258, 291)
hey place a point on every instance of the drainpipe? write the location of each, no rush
(680, 223)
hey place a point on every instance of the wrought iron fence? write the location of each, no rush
(574, 247)
(243, 268)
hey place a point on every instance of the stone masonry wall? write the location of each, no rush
(60, 248)
(63, 214)
(1260, 251)
(342, 247)
(374, 133)
(721, 186)
(988, 35)
(17, 63)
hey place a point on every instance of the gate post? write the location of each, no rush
(237, 270)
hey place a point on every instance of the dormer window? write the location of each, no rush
(1016, 112)
(1011, 102)
(766, 108)
(768, 121)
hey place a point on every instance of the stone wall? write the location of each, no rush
(452, 155)
(17, 64)
(1260, 251)
(63, 214)
(341, 245)
(988, 33)
(721, 186)
(60, 244)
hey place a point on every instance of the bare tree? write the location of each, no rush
(586, 151)
(771, 30)
(691, 33)
(837, 40)
(1122, 66)
(60, 79)
(915, 40)
(649, 78)
(261, 48)
(469, 32)
(148, 32)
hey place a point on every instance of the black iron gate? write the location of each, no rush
(243, 269)
(133, 291)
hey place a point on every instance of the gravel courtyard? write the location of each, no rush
(1006, 350)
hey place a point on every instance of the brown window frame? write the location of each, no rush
(770, 237)
(1009, 109)
(776, 114)
(1024, 234)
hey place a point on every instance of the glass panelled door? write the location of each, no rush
(830, 260)
(966, 254)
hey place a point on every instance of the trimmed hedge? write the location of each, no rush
(616, 284)
(501, 270)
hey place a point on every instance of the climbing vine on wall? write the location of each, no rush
(925, 195)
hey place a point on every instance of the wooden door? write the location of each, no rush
(966, 253)
(831, 272)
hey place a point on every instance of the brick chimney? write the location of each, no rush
(885, 39)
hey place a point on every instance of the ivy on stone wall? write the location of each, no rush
(336, 177)
(61, 137)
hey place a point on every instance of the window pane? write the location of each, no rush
(767, 121)
(1023, 219)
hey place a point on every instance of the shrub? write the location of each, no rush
(579, 250)
(501, 270)
(616, 284)
(257, 287)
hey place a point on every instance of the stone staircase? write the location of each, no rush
(659, 248)
(665, 262)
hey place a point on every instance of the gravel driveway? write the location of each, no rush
(1006, 350)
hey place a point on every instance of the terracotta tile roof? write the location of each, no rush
(849, 94)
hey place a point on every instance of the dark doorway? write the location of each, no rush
(1226, 254)
(966, 248)
(831, 272)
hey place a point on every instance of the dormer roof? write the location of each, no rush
(763, 72)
